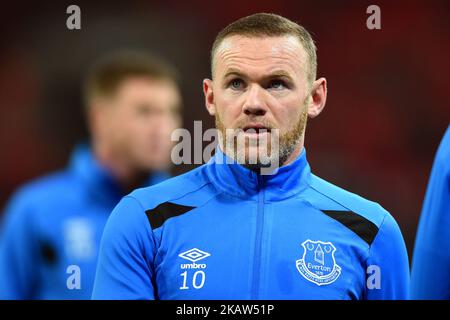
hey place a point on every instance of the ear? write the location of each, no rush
(209, 96)
(97, 117)
(93, 117)
(318, 97)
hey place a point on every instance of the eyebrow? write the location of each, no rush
(274, 74)
(234, 72)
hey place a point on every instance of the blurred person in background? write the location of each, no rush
(430, 278)
(52, 226)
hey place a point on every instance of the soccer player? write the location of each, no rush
(52, 227)
(430, 277)
(231, 229)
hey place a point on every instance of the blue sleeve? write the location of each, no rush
(388, 278)
(124, 269)
(19, 251)
(430, 278)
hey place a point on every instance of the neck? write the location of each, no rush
(290, 179)
(128, 177)
(293, 155)
(298, 149)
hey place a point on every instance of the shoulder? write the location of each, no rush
(364, 217)
(332, 197)
(191, 188)
(37, 198)
(44, 189)
(165, 200)
(146, 209)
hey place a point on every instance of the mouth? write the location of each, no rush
(256, 129)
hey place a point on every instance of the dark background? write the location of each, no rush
(387, 108)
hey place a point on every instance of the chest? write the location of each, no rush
(245, 252)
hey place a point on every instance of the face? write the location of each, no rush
(260, 91)
(138, 120)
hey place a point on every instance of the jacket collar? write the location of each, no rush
(239, 181)
(98, 181)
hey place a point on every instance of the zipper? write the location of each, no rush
(258, 240)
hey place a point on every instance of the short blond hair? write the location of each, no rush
(271, 25)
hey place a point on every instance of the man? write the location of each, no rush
(228, 230)
(53, 226)
(430, 277)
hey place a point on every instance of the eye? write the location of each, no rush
(236, 84)
(145, 110)
(142, 110)
(277, 84)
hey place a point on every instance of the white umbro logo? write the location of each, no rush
(194, 255)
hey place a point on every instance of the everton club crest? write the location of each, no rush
(318, 264)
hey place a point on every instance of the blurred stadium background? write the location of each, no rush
(388, 103)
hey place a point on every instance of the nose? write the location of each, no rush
(255, 103)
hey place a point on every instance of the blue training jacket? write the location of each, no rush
(430, 278)
(222, 231)
(51, 231)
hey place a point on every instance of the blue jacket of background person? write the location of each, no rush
(51, 231)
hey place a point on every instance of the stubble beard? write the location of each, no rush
(279, 148)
